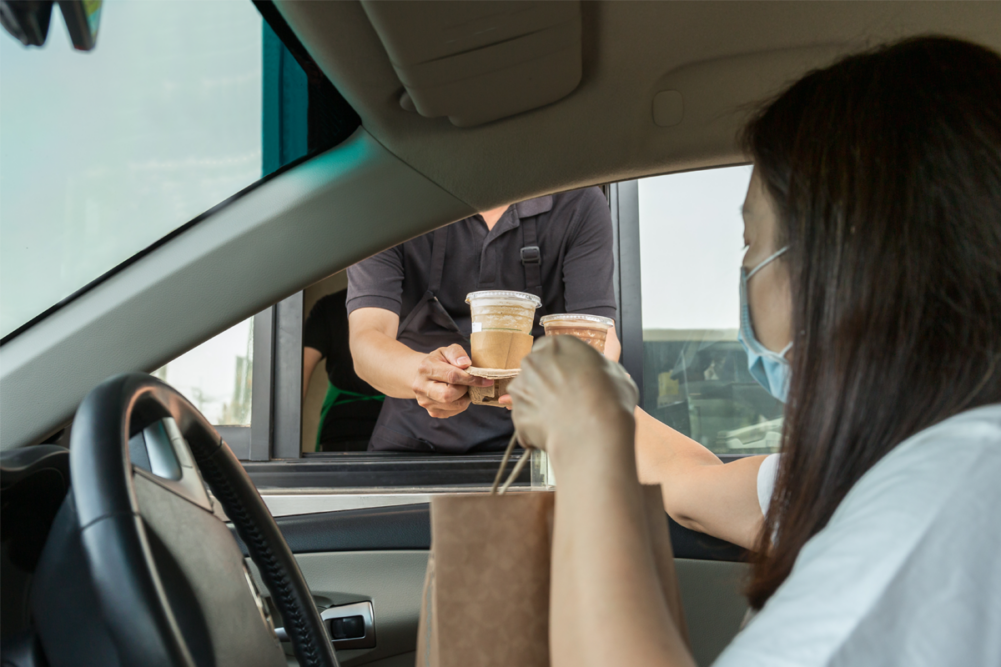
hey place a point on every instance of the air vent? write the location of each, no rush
(477, 62)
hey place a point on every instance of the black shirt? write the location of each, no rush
(574, 237)
(326, 330)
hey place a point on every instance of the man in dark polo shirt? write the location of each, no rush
(410, 324)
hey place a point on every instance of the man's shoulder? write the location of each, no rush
(572, 209)
(584, 211)
(589, 196)
(560, 202)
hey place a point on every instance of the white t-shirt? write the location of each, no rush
(766, 481)
(908, 570)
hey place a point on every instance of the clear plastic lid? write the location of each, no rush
(578, 318)
(504, 294)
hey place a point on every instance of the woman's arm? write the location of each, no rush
(607, 605)
(700, 491)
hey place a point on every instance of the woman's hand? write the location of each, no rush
(568, 393)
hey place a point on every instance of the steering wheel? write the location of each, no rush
(169, 580)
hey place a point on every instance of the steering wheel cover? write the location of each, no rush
(114, 538)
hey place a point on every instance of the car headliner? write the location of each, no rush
(401, 174)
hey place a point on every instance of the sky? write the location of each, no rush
(691, 245)
(105, 152)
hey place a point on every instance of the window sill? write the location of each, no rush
(365, 472)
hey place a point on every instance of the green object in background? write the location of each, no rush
(337, 396)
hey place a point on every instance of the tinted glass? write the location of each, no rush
(107, 151)
(695, 372)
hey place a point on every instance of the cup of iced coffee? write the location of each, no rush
(501, 338)
(592, 329)
(502, 310)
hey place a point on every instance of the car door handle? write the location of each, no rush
(348, 625)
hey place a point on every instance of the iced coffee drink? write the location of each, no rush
(499, 310)
(501, 338)
(591, 329)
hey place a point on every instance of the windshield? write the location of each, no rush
(105, 152)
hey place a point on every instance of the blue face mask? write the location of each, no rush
(770, 369)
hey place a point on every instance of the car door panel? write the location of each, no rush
(393, 581)
(409, 527)
(380, 554)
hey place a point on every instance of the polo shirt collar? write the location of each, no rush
(537, 206)
(513, 215)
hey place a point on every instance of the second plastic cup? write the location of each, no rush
(500, 310)
(592, 329)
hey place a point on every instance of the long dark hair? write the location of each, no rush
(886, 172)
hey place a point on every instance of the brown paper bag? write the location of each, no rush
(486, 591)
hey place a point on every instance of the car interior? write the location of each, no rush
(132, 535)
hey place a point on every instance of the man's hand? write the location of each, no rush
(442, 385)
(437, 381)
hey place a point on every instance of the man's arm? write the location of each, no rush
(700, 491)
(437, 380)
(589, 263)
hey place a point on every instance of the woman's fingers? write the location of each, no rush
(565, 387)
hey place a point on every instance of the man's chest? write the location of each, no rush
(478, 259)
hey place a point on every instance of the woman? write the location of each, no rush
(877, 196)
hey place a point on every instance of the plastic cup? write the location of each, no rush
(592, 329)
(499, 310)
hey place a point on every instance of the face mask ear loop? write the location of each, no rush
(785, 349)
(766, 261)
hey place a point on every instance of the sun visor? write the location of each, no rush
(476, 62)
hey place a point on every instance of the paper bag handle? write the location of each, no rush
(514, 473)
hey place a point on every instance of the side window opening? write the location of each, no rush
(695, 376)
(217, 376)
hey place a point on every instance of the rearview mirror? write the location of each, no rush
(28, 20)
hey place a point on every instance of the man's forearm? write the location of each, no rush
(385, 363)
